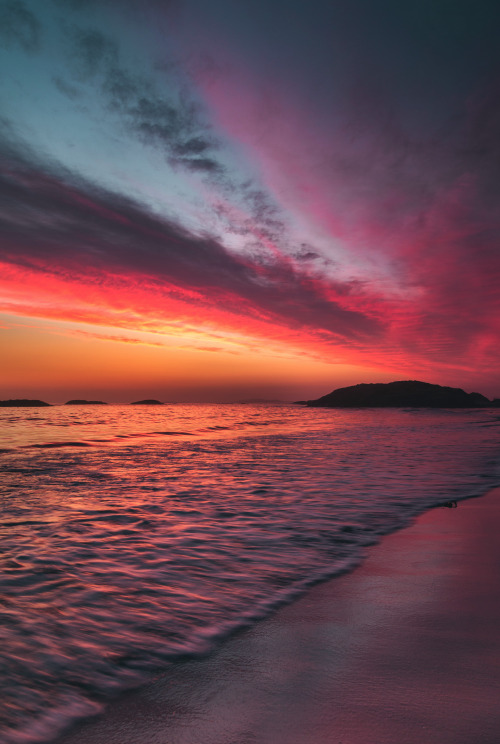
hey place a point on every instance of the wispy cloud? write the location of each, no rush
(67, 230)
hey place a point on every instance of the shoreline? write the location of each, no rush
(402, 650)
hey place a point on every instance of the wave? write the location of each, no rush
(118, 561)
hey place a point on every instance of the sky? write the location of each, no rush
(209, 201)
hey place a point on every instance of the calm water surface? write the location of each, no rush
(131, 536)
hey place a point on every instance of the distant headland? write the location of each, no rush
(399, 394)
(23, 403)
(148, 402)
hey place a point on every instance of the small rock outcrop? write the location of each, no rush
(23, 403)
(398, 394)
(148, 402)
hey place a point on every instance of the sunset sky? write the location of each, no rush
(217, 199)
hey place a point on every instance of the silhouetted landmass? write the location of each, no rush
(23, 403)
(401, 393)
(149, 402)
(495, 402)
(85, 403)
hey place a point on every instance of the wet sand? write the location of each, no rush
(404, 650)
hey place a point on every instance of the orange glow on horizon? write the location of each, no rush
(52, 361)
(123, 338)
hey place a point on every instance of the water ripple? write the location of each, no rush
(118, 559)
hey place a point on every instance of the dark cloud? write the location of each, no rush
(172, 124)
(57, 224)
(204, 165)
(263, 212)
(70, 91)
(92, 52)
(306, 253)
(122, 89)
(19, 26)
(195, 146)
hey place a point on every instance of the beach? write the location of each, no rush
(403, 649)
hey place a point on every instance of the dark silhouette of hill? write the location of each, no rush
(77, 402)
(23, 403)
(148, 402)
(401, 393)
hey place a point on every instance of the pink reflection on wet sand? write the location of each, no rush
(404, 650)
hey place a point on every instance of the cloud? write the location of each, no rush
(413, 207)
(92, 52)
(118, 339)
(64, 87)
(170, 122)
(19, 26)
(67, 230)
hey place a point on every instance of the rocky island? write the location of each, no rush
(148, 402)
(401, 393)
(23, 403)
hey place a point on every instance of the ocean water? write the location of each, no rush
(134, 536)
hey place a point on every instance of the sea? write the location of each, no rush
(133, 537)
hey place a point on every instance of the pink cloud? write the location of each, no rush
(415, 219)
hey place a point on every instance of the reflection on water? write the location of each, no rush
(132, 536)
